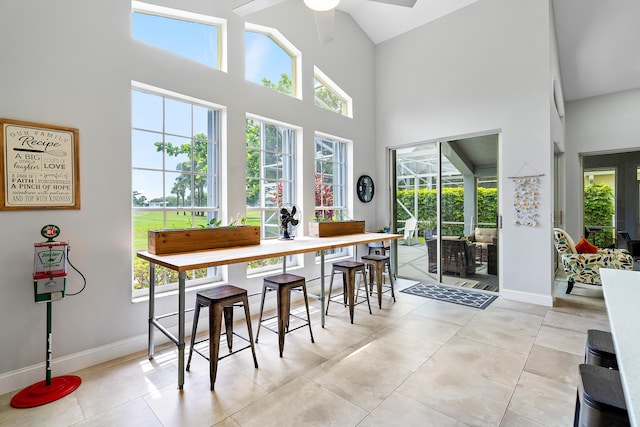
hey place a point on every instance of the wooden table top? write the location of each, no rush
(266, 249)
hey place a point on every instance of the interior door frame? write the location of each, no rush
(392, 175)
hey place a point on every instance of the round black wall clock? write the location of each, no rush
(365, 188)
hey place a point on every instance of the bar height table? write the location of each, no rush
(183, 262)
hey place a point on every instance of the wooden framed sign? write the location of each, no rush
(40, 166)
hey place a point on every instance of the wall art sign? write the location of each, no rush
(40, 166)
(526, 196)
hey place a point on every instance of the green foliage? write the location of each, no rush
(139, 199)
(284, 84)
(599, 210)
(253, 162)
(487, 205)
(325, 98)
(197, 162)
(215, 222)
(452, 208)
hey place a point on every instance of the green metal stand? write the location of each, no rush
(50, 389)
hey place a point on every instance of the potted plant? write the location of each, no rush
(335, 228)
(237, 233)
(429, 225)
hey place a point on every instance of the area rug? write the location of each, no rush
(451, 294)
(478, 285)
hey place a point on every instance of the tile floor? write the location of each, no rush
(416, 362)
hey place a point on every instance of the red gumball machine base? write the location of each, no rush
(41, 393)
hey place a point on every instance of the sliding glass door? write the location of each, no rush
(448, 189)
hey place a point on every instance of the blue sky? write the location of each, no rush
(198, 42)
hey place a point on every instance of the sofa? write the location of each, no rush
(482, 238)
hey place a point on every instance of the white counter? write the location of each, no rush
(622, 298)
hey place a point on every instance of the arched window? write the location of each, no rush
(271, 60)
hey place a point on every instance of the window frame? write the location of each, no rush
(324, 80)
(182, 15)
(344, 184)
(292, 178)
(288, 47)
(214, 274)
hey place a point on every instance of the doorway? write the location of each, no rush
(445, 197)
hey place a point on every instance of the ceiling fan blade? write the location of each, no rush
(405, 3)
(253, 6)
(325, 24)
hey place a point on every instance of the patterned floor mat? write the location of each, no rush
(451, 294)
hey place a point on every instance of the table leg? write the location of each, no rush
(181, 308)
(393, 251)
(152, 302)
(322, 288)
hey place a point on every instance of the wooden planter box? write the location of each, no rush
(170, 241)
(335, 228)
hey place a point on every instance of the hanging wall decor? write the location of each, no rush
(526, 196)
(40, 166)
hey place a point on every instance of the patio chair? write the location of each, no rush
(410, 229)
(585, 268)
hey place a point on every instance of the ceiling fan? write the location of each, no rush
(324, 11)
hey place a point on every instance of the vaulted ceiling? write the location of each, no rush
(598, 40)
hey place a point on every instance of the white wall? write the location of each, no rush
(485, 68)
(601, 124)
(71, 63)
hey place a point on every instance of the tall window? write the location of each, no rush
(175, 184)
(271, 60)
(271, 161)
(330, 179)
(193, 36)
(330, 182)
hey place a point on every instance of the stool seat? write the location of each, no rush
(600, 400)
(349, 270)
(379, 263)
(600, 350)
(220, 300)
(284, 284)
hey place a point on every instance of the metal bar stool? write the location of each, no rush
(600, 400)
(379, 263)
(349, 270)
(284, 284)
(599, 349)
(220, 300)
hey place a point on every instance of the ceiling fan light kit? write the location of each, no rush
(321, 5)
(324, 12)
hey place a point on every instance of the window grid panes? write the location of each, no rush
(175, 181)
(330, 182)
(197, 41)
(271, 161)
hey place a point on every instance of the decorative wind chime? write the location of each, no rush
(526, 196)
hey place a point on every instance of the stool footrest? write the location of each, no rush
(224, 355)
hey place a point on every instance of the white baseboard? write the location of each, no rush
(539, 299)
(15, 381)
